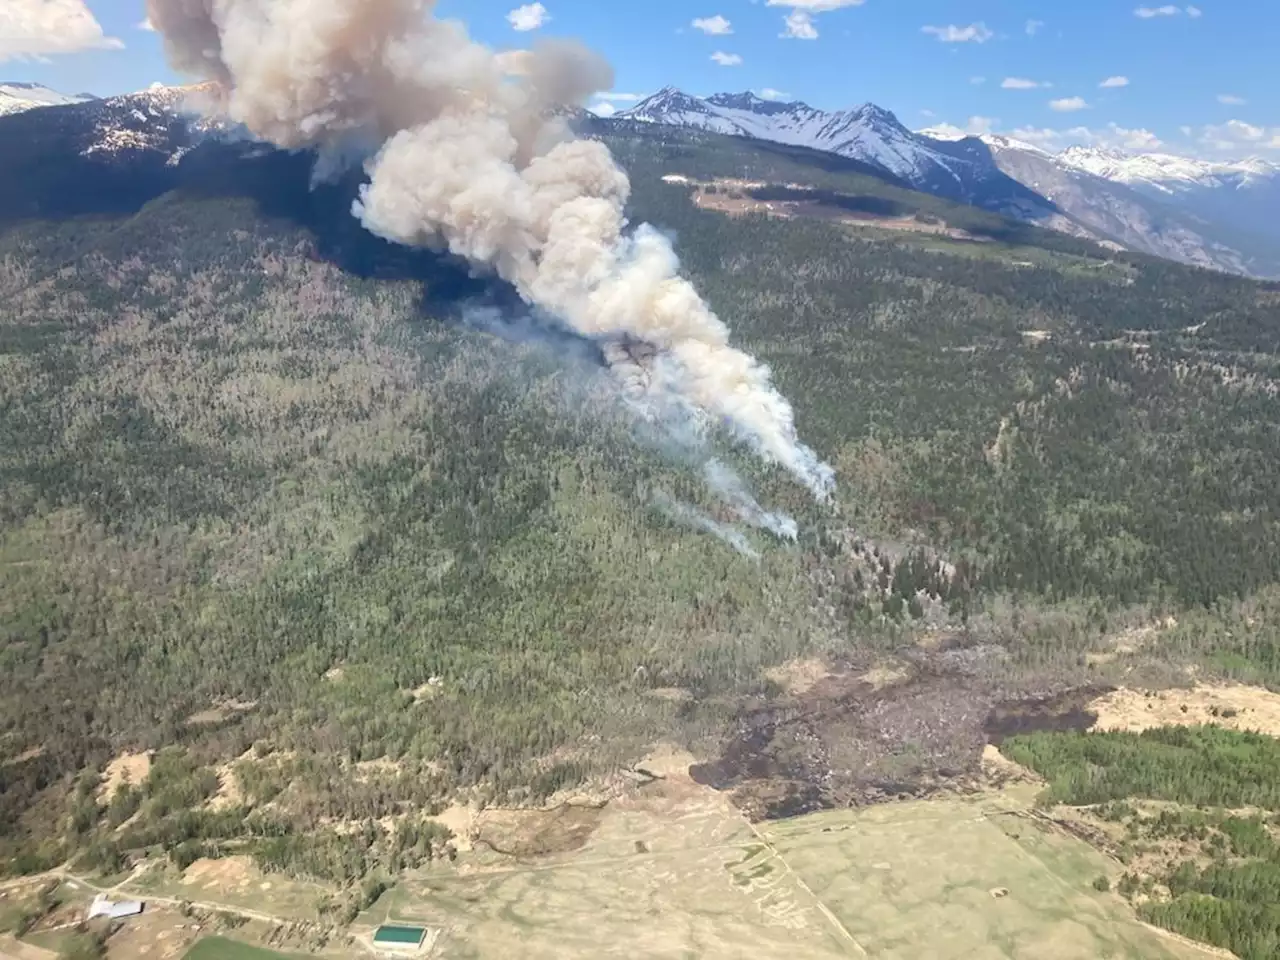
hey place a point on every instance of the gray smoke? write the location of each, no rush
(474, 159)
(733, 490)
(691, 516)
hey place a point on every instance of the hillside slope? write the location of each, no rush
(269, 483)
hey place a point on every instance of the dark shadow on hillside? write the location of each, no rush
(452, 290)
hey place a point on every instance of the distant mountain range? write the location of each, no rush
(1221, 216)
(16, 97)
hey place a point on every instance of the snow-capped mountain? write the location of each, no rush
(1222, 216)
(1166, 173)
(1167, 206)
(16, 97)
(866, 133)
(1244, 195)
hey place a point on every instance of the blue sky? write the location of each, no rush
(1196, 79)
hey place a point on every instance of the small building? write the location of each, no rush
(115, 909)
(399, 939)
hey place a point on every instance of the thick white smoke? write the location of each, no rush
(474, 159)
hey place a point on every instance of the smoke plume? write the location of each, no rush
(472, 157)
(692, 517)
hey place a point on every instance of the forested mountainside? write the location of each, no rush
(273, 499)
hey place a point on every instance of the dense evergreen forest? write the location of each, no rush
(273, 504)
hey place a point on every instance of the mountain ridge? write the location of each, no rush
(1192, 214)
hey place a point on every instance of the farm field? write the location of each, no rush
(675, 871)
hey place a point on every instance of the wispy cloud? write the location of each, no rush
(973, 33)
(1034, 27)
(726, 59)
(768, 93)
(1111, 137)
(1021, 83)
(1068, 104)
(531, 16)
(1168, 10)
(34, 29)
(1112, 83)
(1231, 100)
(798, 25)
(716, 26)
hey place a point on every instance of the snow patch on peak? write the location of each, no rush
(867, 132)
(17, 97)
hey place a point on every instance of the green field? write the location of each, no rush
(220, 948)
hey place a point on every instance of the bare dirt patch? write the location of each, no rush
(1234, 706)
(461, 821)
(227, 874)
(11, 949)
(886, 675)
(536, 833)
(999, 770)
(229, 793)
(131, 768)
(220, 713)
(798, 677)
(159, 934)
(741, 197)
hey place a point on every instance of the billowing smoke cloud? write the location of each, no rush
(471, 157)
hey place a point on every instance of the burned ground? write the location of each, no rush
(848, 740)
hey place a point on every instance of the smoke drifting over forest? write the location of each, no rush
(468, 155)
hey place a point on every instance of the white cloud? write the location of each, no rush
(976, 127)
(1112, 83)
(716, 26)
(726, 59)
(1068, 104)
(41, 28)
(799, 26)
(1033, 27)
(1235, 138)
(146, 25)
(927, 113)
(974, 33)
(603, 109)
(1111, 137)
(768, 93)
(1231, 100)
(628, 97)
(1185, 131)
(528, 17)
(1168, 10)
(1021, 83)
